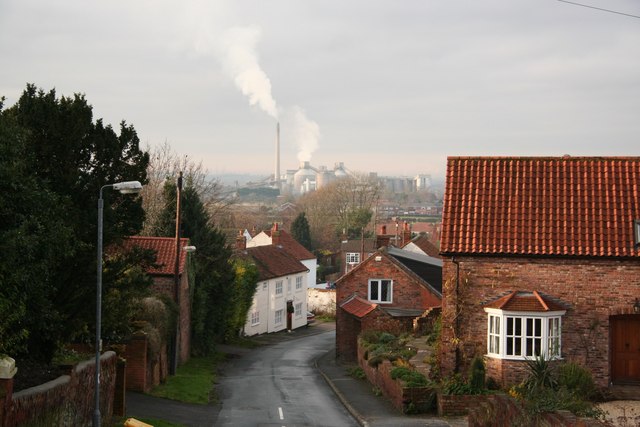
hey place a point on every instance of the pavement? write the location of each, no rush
(357, 395)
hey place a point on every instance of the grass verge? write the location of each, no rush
(192, 382)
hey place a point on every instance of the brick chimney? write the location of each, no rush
(275, 234)
(406, 233)
(241, 241)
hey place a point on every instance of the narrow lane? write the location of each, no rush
(277, 385)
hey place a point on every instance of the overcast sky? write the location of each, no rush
(392, 87)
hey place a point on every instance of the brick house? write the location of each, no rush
(388, 291)
(163, 274)
(280, 300)
(540, 257)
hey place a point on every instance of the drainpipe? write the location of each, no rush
(457, 318)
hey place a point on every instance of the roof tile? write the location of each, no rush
(570, 206)
(165, 248)
(358, 306)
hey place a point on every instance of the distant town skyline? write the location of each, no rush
(385, 87)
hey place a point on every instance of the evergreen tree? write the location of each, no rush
(300, 230)
(56, 160)
(213, 290)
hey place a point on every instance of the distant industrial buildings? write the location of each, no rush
(308, 178)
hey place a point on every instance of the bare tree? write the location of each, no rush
(346, 205)
(165, 164)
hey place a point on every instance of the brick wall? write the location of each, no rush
(594, 290)
(66, 401)
(348, 328)
(144, 370)
(503, 411)
(407, 293)
(404, 399)
(165, 285)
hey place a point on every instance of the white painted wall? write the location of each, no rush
(321, 300)
(267, 303)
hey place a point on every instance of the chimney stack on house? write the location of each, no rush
(275, 234)
(241, 241)
(406, 233)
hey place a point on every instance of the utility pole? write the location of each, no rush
(175, 350)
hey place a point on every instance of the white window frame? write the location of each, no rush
(353, 258)
(255, 318)
(279, 289)
(298, 309)
(298, 282)
(278, 315)
(524, 335)
(376, 297)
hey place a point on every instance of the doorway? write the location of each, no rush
(625, 349)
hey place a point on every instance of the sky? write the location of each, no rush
(392, 87)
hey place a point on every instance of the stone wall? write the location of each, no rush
(66, 401)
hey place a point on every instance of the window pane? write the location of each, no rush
(538, 327)
(518, 347)
(384, 291)
(510, 346)
(509, 325)
(537, 346)
(373, 290)
(518, 322)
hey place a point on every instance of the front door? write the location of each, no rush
(625, 346)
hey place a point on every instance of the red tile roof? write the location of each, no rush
(571, 206)
(292, 246)
(525, 301)
(358, 306)
(165, 248)
(274, 261)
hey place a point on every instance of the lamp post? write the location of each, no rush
(127, 187)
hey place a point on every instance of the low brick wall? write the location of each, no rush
(503, 411)
(404, 399)
(450, 405)
(66, 401)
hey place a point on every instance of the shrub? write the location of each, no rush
(541, 374)
(577, 380)
(357, 372)
(456, 385)
(476, 374)
(410, 377)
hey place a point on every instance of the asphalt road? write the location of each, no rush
(277, 385)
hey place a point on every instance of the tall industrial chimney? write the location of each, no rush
(276, 173)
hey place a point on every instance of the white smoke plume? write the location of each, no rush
(305, 132)
(240, 61)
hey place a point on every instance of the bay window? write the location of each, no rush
(523, 335)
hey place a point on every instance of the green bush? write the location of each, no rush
(476, 374)
(410, 377)
(577, 380)
(566, 388)
(456, 385)
(357, 372)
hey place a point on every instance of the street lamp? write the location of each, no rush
(127, 187)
